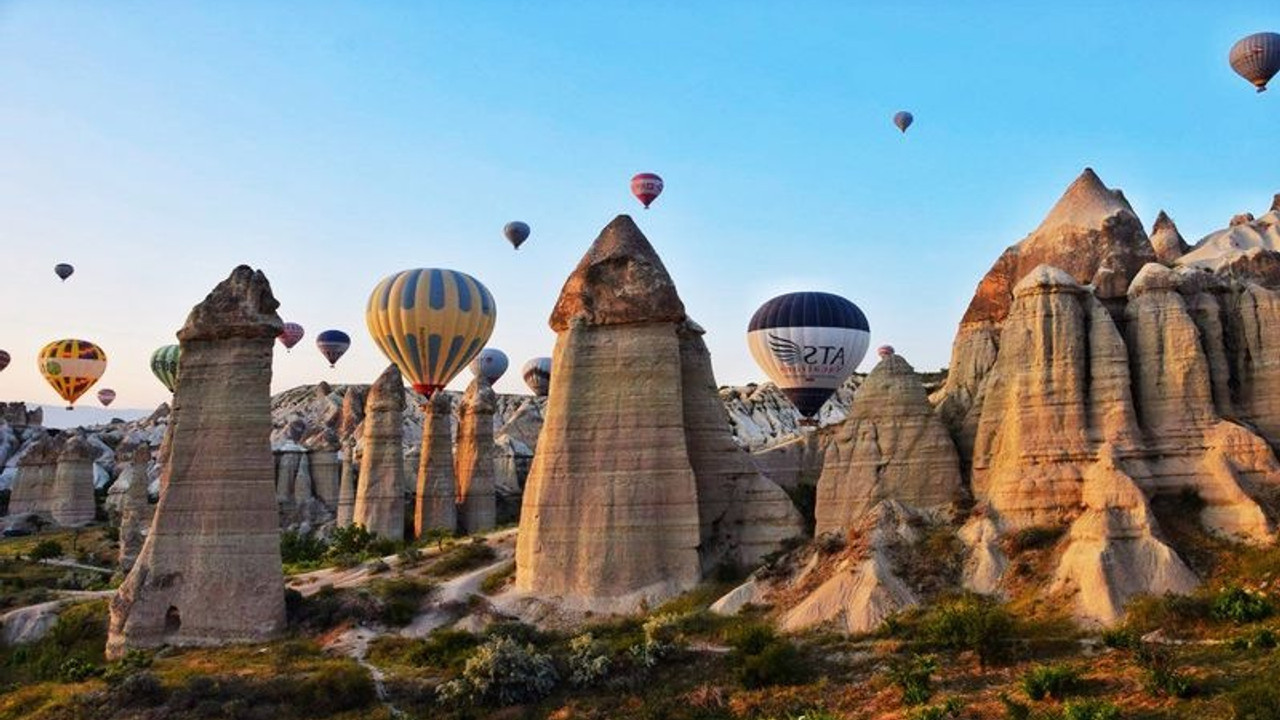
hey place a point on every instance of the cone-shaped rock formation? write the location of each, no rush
(477, 502)
(437, 494)
(379, 504)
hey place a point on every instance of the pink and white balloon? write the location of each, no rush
(290, 335)
(106, 396)
(884, 351)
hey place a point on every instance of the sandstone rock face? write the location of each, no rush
(743, 514)
(347, 485)
(610, 516)
(1166, 241)
(379, 504)
(71, 501)
(891, 447)
(33, 488)
(437, 495)
(477, 501)
(209, 572)
(326, 469)
(135, 514)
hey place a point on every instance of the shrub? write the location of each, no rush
(971, 622)
(765, 660)
(1161, 677)
(1035, 538)
(77, 670)
(1240, 606)
(301, 548)
(401, 599)
(133, 661)
(1014, 710)
(46, 550)
(588, 662)
(445, 648)
(336, 688)
(141, 689)
(1056, 681)
(1146, 613)
(914, 676)
(502, 672)
(495, 581)
(463, 557)
(352, 540)
(1255, 699)
(948, 709)
(1120, 639)
(663, 636)
(1090, 710)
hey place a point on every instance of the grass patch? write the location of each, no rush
(460, 558)
(498, 580)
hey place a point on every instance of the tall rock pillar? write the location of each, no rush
(209, 573)
(72, 502)
(379, 505)
(477, 501)
(437, 501)
(134, 513)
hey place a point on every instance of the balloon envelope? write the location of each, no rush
(884, 351)
(903, 120)
(332, 344)
(516, 233)
(490, 364)
(4, 359)
(63, 270)
(72, 366)
(430, 322)
(646, 187)
(1256, 58)
(106, 396)
(164, 365)
(290, 335)
(537, 375)
(808, 343)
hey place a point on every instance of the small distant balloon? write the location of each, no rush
(164, 365)
(4, 359)
(290, 335)
(884, 351)
(1256, 58)
(516, 233)
(106, 396)
(537, 375)
(332, 344)
(903, 120)
(63, 270)
(71, 367)
(490, 364)
(646, 187)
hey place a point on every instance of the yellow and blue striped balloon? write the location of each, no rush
(430, 322)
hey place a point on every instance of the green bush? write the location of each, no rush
(1240, 606)
(970, 622)
(1161, 676)
(1255, 699)
(301, 548)
(462, 558)
(589, 661)
(1090, 710)
(502, 672)
(1145, 613)
(77, 670)
(1014, 710)
(1120, 639)
(495, 581)
(951, 708)
(914, 676)
(445, 648)
(401, 599)
(1056, 681)
(46, 550)
(336, 688)
(352, 540)
(133, 662)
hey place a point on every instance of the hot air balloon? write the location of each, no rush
(106, 396)
(517, 232)
(808, 343)
(490, 364)
(430, 322)
(332, 344)
(646, 187)
(884, 351)
(290, 335)
(903, 120)
(4, 359)
(72, 367)
(63, 270)
(537, 375)
(1256, 58)
(164, 365)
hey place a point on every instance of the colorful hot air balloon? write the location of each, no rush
(646, 187)
(106, 396)
(490, 364)
(72, 367)
(63, 270)
(1256, 58)
(332, 344)
(290, 335)
(808, 343)
(4, 359)
(164, 365)
(537, 375)
(884, 351)
(903, 120)
(430, 322)
(516, 232)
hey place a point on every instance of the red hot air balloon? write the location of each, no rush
(4, 359)
(290, 335)
(646, 187)
(106, 396)
(884, 351)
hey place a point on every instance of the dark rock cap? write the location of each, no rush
(241, 306)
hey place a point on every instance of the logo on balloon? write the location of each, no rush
(53, 368)
(807, 358)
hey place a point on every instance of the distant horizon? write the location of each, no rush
(157, 147)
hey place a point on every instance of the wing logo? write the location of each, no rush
(786, 351)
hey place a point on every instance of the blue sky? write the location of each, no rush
(156, 145)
